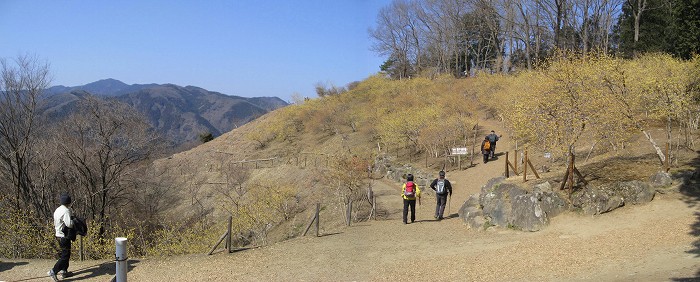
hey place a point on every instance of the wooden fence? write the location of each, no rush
(514, 166)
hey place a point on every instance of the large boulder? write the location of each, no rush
(608, 197)
(661, 179)
(527, 213)
(552, 204)
(471, 213)
(497, 203)
(636, 192)
(508, 205)
(597, 201)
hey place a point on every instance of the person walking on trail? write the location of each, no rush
(493, 138)
(410, 193)
(486, 149)
(443, 189)
(62, 220)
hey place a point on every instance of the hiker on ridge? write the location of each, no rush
(410, 192)
(493, 138)
(62, 217)
(442, 188)
(486, 149)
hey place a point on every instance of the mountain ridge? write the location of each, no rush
(180, 113)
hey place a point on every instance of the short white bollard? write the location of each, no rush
(120, 258)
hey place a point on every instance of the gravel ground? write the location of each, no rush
(650, 242)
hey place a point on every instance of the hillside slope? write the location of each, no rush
(651, 242)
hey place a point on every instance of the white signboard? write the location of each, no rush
(547, 155)
(459, 151)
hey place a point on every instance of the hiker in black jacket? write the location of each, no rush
(443, 189)
(493, 138)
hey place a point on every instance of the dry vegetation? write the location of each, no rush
(595, 106)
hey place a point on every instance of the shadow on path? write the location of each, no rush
(691, 192)
(9, 265)
(105, 270)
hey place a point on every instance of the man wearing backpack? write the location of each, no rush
(486, 149)
(442, 188)
(410, 193)
(493, 138)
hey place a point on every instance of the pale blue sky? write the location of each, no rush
(239, 47)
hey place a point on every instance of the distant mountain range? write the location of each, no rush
(179, 113)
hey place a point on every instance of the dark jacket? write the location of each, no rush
(448, 186)
(492, 138)
(79, 228)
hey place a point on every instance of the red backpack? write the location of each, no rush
(410, 191)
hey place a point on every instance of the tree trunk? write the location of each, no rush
(659, 152)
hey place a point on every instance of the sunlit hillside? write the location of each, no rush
(268, 174)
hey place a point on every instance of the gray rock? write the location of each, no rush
(597, 201)
(472, 215)
(497, 203)
(661, 179)
(635, 192)
(527, 213)
(491, 183)
(553, 204)
(478, 222)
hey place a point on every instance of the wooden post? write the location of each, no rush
(349, 213)
(565, 179)
(459, 160)
(82, 254)
(313, 218)
(515, 159)
(507, 172)
(571, 174)
(221, 239)
(318, 218)
(228, 237)
(533, 168)
(525, 168)
(256, 164)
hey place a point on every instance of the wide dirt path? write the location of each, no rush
(651, 242)
(642, 243)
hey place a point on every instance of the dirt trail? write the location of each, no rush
(650, 242)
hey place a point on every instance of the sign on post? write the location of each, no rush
(459, 152)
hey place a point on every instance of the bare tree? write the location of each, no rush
(101, 142)
(22, 83)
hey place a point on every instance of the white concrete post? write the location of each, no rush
(120, 258)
